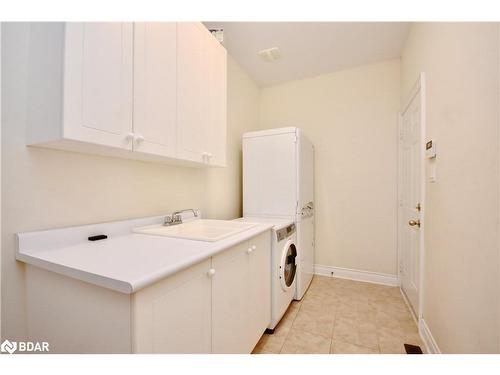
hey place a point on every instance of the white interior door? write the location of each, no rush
(410, 199)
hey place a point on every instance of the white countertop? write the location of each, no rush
(126, 261)
(277, 223)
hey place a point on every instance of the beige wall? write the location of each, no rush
(461, 267)
(351, 118)
(44, 189)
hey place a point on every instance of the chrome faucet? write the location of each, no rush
(176, 218)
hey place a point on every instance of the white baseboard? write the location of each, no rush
(427, 338)
(358, 275)
(408, 304)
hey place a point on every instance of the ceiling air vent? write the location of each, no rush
(270, 54)
(218, 34)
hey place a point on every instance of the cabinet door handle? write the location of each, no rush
(211, 272)
(130, 136)
(249, 251)
(139, 138)
(209, 155)
(254, 247)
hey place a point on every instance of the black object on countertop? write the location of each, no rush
(98, 237)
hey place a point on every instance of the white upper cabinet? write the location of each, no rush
(192, 91)
(155, 86)
(201, 94)
(151, 91)
(217, 103)
(80, 85)
(98, 83)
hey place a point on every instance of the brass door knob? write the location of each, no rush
(414, 222)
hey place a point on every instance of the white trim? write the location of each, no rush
(408, 304)
(0, 181)
(427, 338)
(423, 133)
(358, 275)
(267, 132)
(398, 197)
(413, 92)
(498, 237)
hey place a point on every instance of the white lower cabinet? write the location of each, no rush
(221, 305)
(174, 315)
(259, 295)
(230, 301)
(241, 296)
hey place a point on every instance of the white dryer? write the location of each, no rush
(278, 182)
(283, 265)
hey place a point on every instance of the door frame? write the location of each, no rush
(1, 25)
(419, 88)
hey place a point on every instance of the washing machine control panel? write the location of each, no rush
(285, 232)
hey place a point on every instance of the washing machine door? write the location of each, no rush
(288, 265)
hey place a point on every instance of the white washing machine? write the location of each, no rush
(283, 265)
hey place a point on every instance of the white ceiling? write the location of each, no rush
(310, 48)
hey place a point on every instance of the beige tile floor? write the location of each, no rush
(342, 317)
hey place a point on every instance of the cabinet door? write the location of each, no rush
(174, 315)
(260, 286)
(155, 87)
(230, 301)
(192, 82)
(98, 83)
(217, 102)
